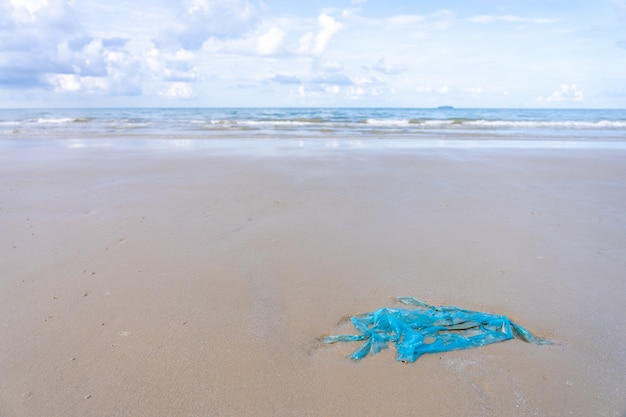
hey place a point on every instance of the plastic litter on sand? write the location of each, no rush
(429, 329)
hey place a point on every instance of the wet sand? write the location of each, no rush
(196, 283)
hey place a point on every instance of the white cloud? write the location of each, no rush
(195, 21)
(484, 19)
(270, 42)
(23, 8)
(304, 45)
(333, 85)
(383, 67)
(43, 44)
(316, 44)
(358, 92)
(566, 92)
(363, 87)
(347, 13)
(116, 73)
(66, 82)
(179, 90)
(72, 83)
(402, 20)
(85, 60)
(286, 79)
(328, 27)
(365, 80)
(177, 66)
(80, 49)
(126, 73)
(440, 20)
(474, 92)
(326, 66)
(334, 89)
(31, 37)
(443, 89)
(29, 24)
(286, 36)
(332, 78)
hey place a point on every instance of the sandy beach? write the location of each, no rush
(198, 282)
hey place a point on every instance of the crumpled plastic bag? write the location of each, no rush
(429, 329)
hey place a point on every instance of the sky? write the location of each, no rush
(314, 53)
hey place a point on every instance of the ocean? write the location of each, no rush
(338, 127)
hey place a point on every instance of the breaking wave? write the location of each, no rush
(340, 123)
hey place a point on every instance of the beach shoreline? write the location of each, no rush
(186, 281)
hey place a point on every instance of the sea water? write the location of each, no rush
(338, 127)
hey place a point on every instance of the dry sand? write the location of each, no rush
(195, 283)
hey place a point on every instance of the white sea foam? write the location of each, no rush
(436, 123)
(387, 122)
(420, 123)
(277, 123)
(130, 125)
(338, 124)
(211, 122)
(552, 124)
(55, 120)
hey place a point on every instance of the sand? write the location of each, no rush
(158, 282)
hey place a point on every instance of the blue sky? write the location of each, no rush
(472, 53)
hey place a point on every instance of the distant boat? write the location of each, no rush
(445, 108)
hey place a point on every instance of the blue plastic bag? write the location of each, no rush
(429, 329)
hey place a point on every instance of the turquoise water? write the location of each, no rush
(479, 127)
